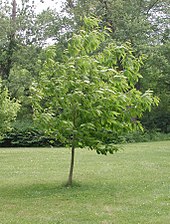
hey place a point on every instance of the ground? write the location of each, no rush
(131, 186)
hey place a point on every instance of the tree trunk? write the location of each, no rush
(70, 177)
(14, 10)
(12, 44)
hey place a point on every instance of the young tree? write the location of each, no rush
(90, 95)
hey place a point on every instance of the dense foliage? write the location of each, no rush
(25, 35)
(8, 110)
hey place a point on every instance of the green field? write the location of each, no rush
(131, 186)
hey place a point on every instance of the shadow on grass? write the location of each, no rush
(42, 190)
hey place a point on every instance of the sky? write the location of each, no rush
(47, 3)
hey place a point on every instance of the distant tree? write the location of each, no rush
(138, 21)
(23, 35)
(157, 77)
(90, 94)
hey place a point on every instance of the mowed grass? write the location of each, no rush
(131, 186)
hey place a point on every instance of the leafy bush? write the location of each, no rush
(8, 110)
(24, 134)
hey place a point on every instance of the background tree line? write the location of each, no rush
(25, 35)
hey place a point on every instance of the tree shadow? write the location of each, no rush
(41, 190)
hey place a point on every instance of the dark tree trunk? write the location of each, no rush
(14, 6)
(70, 177)
(7, 65)
(73, 145)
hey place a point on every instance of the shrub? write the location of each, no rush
(24, 134)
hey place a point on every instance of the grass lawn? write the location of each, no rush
(131, 186)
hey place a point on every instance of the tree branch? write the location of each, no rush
(109, 22)
(151, 6)
(70, 3)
